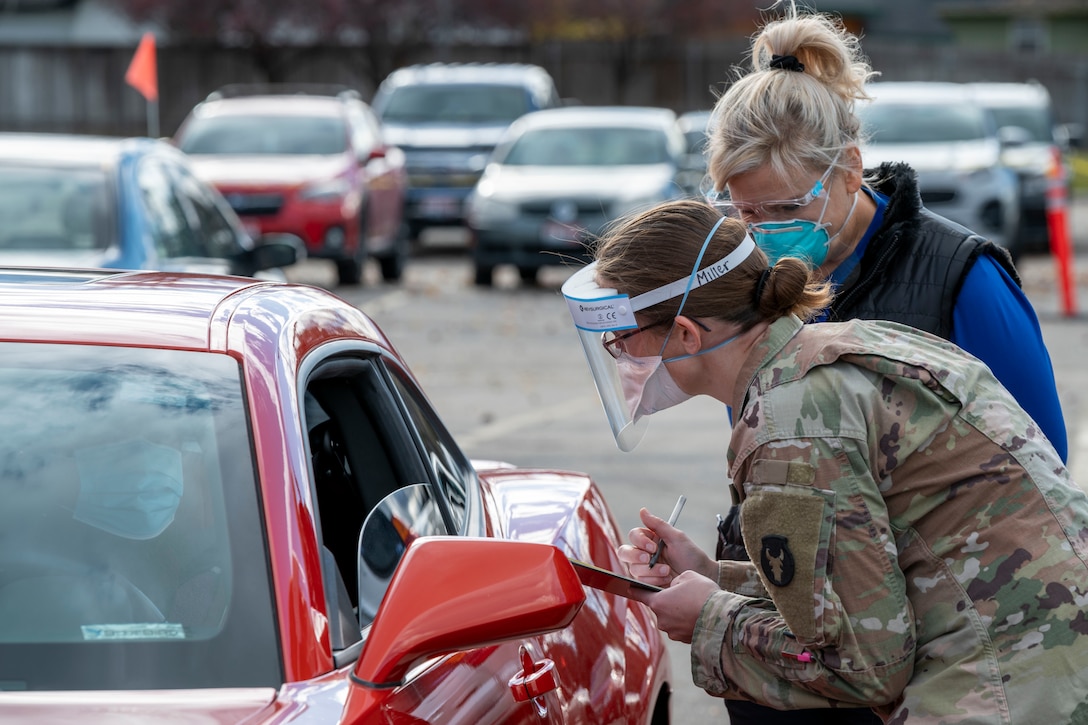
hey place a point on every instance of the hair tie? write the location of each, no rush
(761, 284)
(787, 62)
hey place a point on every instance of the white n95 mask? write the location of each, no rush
(648, 387)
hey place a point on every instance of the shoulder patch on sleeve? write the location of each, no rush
(766, 471)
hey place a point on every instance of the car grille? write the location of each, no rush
(255, 204)
(427, 181)
(938, 196)
(584, 207)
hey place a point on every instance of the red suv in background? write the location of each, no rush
(308, 161)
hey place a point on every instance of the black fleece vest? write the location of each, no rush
(915, 263)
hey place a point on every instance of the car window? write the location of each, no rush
(217, 236)
(452, 471)
(456, 103)
(365, 131)
(1033, 118)
(922, 123)
(292, 135)
(166, 216)
(615, 146)
(132, 523)
(361, 450)
(54, 208)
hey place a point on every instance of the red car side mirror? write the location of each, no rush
(457, 593)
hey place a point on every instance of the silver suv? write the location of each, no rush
(1033, 148)
(447, 118)
(952, 143)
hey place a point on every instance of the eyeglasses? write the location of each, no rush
(777, 210)
(613, 342)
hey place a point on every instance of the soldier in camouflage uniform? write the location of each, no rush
(917, 545)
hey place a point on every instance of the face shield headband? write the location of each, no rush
(597, 310)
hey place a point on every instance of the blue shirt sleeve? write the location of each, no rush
(994, 321)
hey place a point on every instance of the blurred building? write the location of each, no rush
(65, 23)
(1035, 27)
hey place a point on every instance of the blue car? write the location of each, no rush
(97, 202)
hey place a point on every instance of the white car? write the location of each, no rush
(951, 141)
(560, 175)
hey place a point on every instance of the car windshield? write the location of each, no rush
(922, 123)
(45, 208)
(266, 135)
(597, 146)
(1035, 120)
(133, 554)
(456, 103)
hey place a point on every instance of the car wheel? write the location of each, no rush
(349, 271)
(527, 274)
(484, 276)
(393, 264)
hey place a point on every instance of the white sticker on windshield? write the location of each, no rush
(150, 630)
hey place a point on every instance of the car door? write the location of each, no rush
(382, 171)
(372, 432)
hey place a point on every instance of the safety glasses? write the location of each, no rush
(781, 209)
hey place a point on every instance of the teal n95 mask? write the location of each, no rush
(130, 489)
(800, 238)
(630, 388)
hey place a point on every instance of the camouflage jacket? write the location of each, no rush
(918, 544)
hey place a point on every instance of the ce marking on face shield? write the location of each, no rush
(608, 317)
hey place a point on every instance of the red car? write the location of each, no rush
(305, 164)
(228, 500)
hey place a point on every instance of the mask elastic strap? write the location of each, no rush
(844, 221)
(691, 279)
(685, 356)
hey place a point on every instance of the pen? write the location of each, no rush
(673, 518)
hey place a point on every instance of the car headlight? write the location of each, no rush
(326, 190)
(484, 210)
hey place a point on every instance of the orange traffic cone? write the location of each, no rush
(1057, 222)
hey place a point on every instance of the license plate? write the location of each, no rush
(559, 234)
(440, 207)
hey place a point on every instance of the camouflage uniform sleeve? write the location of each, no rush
(837, 627)
(740, 577)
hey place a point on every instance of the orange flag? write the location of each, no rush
(142, 73)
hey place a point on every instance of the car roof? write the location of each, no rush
(581, 116)
(1011, 94)
(149, 309)
(515, 74)
(73, 149)
(272, 104)
(922, 92)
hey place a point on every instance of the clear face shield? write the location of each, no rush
(601, 313)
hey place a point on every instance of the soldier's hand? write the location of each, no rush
(678, 607)
(680, 554)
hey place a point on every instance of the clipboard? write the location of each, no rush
(609, 581)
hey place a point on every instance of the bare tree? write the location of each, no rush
(279, 33)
